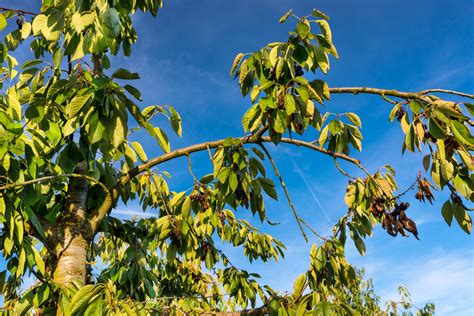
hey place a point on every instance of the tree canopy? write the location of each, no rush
(68, 156)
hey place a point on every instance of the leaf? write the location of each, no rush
(35, 221)
(303, 29)
(76, 104)
(162, 139)
(119, 131)
(426, 162)
(236, 62)
(299, 283)
(25, 30)
(134, 92)
(447, 212)
(233, 182)
(110, 22)
(125, 74)
(435, 130)
(354, 119)
(249, 118)
(290, 104)
(462, 217)
(410, 139)
(269, 187)
(82, 297)
(415, 106)
(39, 23)
(319, 14)
(325, 29)
(322, 59)
(323, 137)
(186, 207)
(285, 16)
(3, 22)
(175, 121)
(139, 150)
(38, 260)
(393, 112)
(462, 133)
(279, 123)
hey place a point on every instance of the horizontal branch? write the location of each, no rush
(213, 144)
(52, 177)
(17, 11)
(396, 93)
(249, 139)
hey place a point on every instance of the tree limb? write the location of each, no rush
(396, 93)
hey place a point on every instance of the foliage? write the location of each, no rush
(68, 157)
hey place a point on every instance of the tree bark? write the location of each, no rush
(72, 234)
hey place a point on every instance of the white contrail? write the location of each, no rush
(309, 188)
(132, 213)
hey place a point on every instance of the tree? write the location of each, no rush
(69, 156)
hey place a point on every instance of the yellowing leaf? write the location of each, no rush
(76, 104)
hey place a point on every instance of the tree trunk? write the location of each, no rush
(72, 234)
(71, 262)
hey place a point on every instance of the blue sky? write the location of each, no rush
(184, 57)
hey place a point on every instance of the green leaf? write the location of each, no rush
(162, 139)
(125, 74)
(323, 137)
(426, 162)
(462, 217)
(470, 107)
(285, 16)
(303, 29)
(134, 92)
(462, 133)
(81, 299)
(39, 23)
(139, 150)
(299, 283)
(279, 123)
(415, 106)
(110, 22)
(35, 221)
(119, 131)
(3, 22)
(175, 121)
(447, 212)
(290, 104)
(410, 139)
(38, 261)
(319, 14)
(236, 62)
(354, 118)
(76, 104)
(233, 182)
(435, 129)
(393, 112)
(269, 187)
(250, 119)
(322, 59)
(325, 29)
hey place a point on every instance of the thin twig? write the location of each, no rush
(283, 185)
(22, 12)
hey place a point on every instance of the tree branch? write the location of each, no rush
(396, 93)
(51, 177)
(18, 11)
(249, 139)
(283, 185)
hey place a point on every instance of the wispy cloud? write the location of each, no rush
(447, 278)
